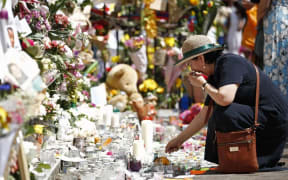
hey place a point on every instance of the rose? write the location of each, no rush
(27, 43)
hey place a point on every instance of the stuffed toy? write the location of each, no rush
(119, 101)
(188, 115)
(123, 77)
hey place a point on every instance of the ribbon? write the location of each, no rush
(4, 14)
(199, 50)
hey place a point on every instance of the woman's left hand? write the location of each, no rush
(196, 79)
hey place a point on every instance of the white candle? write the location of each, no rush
(108, 110)
(115, 120)
(138, 149)
(147, 134)
(100, 117)
(107, 118)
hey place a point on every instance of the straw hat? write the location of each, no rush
(197, 45)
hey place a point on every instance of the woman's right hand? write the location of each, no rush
(173, 145)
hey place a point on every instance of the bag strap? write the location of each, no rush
(208, 111)
(256, 97)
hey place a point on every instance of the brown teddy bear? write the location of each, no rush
(123, 77)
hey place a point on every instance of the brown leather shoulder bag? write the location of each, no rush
(237, 149)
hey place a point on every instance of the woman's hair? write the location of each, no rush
(211, 57)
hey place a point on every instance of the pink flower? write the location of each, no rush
(86, 93)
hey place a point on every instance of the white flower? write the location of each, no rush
(80, 96)
(42, 110)
(51, 2)
(68, 52)
(80, 2)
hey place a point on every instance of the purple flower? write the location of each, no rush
(43, 13)
(77, 74)
(80, 66)
(28, 18)
(38, 25)
(36, 14)
(47, 25)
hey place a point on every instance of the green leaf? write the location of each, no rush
(44, 166)
(38, 169)
(4, 3)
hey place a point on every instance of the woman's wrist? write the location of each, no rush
(204, 85)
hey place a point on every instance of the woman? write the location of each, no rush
(275, 23)
(231, 87)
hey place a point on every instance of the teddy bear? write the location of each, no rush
(123, 77)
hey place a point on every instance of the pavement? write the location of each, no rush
(270, 175)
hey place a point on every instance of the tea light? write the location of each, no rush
(138, 149)
(147, 134)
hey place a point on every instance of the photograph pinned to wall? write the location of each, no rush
(21, 69)
(11, 39)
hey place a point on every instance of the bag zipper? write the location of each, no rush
(232, 143)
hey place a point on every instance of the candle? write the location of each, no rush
(108, 110)
(115, 120)
(147, 134)
(138, 149)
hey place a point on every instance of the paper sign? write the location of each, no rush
(98, 95)
(159, 5)
(22, 26)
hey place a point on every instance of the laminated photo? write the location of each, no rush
(11, 39)
(21, 69)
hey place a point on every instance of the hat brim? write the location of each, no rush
(184, 60)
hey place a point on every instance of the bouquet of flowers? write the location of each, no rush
(133, 44)
(150, 86)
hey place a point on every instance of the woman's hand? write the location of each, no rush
(173, 145)
(196, 79)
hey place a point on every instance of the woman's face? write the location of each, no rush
(195, 64)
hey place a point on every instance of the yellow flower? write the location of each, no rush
(170, 41)
(38, 128)
(150, 49)
(142, 88)
(150, 84)
(151, 66)
(160, 90)
(194, 2)
(126, 37)
(178, 83)
(115, 59)
(113, 92)
(205, 12)
(193, 13)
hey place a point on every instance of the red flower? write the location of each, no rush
(98, 27)
(25, 43)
